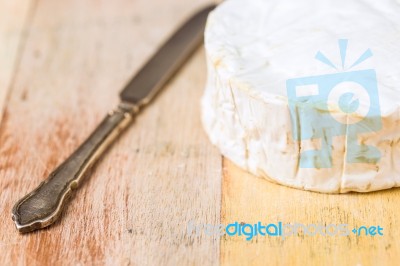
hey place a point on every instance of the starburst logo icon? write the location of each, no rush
(343, 43)
(340, 104)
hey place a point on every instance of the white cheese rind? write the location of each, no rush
(253, 47)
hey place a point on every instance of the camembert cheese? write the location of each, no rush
(307, 93)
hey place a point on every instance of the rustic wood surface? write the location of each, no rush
(62, 64)
(161, 173)
(246, 198)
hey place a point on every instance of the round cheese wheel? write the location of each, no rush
(306, 93)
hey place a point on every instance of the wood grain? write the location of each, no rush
(135, 205)
(249, 199)
(62, 65)
(14, 16)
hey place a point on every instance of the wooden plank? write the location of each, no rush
(248, 199)
(160, 175)
(14, 15)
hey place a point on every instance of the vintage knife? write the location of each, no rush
(41, 207)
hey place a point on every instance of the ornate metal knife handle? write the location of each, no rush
(43, 206)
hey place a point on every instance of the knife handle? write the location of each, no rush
(41, 207)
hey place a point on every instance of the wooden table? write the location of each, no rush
(62, 64)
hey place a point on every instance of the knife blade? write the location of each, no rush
(43, 206)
